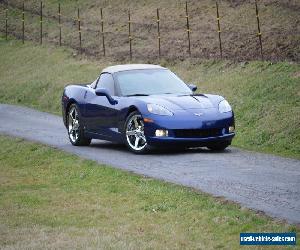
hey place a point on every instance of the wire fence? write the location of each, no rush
(66, 26)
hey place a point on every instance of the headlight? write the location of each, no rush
(158, 110)
(224, 106)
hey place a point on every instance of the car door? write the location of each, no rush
(100, 114)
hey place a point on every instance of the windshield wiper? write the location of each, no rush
(198, 94)
(138, 95)
(195, 94)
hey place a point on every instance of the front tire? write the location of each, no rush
(135, 138)
(75, 128)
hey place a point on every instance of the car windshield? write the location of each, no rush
(150, 82)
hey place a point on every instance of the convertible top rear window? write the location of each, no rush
(150, 82)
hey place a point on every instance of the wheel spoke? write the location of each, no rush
(131, 132)
(76, 126)
(76, 116)
(136, 143)
(70, 119)
(72, 113)
(70, 125)
(143, 138)
(136, 124)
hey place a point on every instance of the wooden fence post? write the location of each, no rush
(188, 27)
(79, 29)
(59, 23)
(219, 30)
(259, 31)
(102, 32)
(158, 32)
(23, 23)
(6, 23)
(41, 23)
(129, 35)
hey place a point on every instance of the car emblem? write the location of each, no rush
(198, 114)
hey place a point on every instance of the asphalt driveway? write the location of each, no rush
(259, 181)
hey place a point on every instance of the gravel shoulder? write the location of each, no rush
(262, 182)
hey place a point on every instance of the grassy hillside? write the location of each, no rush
(53, 200)
(280, 26)
(265, 96)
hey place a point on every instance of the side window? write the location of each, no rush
(106, 81)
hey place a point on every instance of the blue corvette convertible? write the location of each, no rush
(145, 106)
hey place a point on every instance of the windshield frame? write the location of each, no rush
(119, 91)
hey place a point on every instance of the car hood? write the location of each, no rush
(183, 102)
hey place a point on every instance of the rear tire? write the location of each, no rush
(75, 128)
(135, 139)
(220, 146)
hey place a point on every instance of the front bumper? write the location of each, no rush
(191, 130)
(203, 141)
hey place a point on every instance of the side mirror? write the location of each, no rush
(104, 92)
(193, 87)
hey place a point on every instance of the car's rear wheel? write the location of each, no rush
(75, 128)
(134, 133)
(219, 146)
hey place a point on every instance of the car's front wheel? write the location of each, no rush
(75, 128)
(135, 138)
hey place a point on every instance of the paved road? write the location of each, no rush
(259, 181)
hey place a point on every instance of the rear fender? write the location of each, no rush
(73, 94)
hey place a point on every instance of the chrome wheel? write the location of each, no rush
(135, 133)
(73, 124)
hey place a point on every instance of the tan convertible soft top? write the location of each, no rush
(125, 67)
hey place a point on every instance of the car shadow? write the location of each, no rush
(108, 145)
(176, 151)
(156, 151)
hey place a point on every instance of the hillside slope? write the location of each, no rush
(280, 27)
(265, 96)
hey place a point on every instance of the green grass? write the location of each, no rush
(51, 199)
(265, 96)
